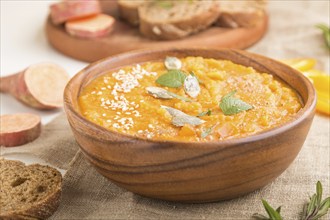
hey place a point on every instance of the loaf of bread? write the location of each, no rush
(28, 192)
(169, 20)
(241, 13)
(128, 10)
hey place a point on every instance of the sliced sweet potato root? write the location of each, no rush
(91, 27)
(70, 10)
(19, 129)
(39, 86)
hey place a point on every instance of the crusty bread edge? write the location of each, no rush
(129, 14)
(172, 31)
(42, 210)
(240, 19)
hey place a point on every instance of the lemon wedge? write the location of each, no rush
(301, 64)
(321, 83)
(320, 80)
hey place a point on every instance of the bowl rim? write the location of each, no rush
(300, 116)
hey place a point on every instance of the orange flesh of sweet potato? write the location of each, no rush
(91, 27)
(19, 129)
(39, 86)
(70, 10)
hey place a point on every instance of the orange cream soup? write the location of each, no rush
(119, 101)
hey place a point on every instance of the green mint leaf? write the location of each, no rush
(180, 118)
(231, 105)
(208, 131)
(172, 79)
(273, 215)
(208, 113)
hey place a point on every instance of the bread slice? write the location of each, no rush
(169, 20)
(128, 10)
(244, 13)
(28, 192)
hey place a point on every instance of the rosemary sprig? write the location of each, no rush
(313, 210)
(316, 208)
(272, 213)
(326, 33)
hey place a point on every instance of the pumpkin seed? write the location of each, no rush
(180, 118)
(172, 63)
(191, 86)
(158, 92)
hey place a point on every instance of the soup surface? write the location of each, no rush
(216, 100)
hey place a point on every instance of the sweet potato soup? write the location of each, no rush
(188, 99)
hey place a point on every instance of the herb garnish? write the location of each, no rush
(164, 4)
(231, 105)
(316, 208)
(180, 118)
(272, 213)
(191, 86)
(172, 79)
(208, 131)
(208, 113)
(326, 33)
(161, 93)
(313, 210)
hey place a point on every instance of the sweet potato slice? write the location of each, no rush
(19, 129)
(40, 85)
(70, 10)
(91, 27)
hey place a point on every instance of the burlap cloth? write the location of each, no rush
(88, 195)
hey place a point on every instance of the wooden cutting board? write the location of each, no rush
(126, 38)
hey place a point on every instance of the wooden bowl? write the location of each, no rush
(191, 171)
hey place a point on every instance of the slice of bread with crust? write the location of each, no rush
(28, 191)
(241, 13)
(170, 20)
(128, 10)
